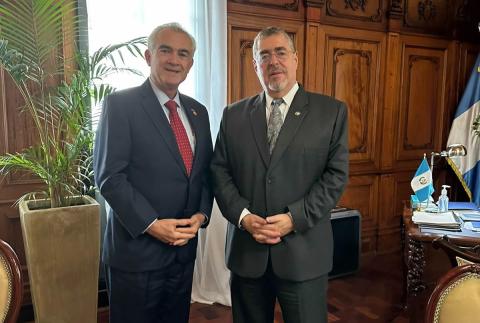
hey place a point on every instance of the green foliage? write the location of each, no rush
(33, 34)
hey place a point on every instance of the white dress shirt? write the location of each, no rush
(163, 98)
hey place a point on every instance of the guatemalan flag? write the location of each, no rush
(468, 168)
(422, 181)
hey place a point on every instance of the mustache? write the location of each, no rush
(276, 69)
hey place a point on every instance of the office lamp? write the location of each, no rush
(454, 150)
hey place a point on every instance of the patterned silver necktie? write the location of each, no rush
(274, 123)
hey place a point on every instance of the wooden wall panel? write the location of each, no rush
(362, 194)
(283, 9)
(394, 191)
(468, 53)
(352, 64)
(242, 79)
(434, 16)
(423, 99)
(370, 14)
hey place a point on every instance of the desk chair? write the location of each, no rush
(11, 286)
(456, 297)
(458, 255)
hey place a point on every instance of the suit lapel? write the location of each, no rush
(258, 121)
(153, 108)
(296, 113)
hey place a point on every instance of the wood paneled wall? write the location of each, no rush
(399, 65)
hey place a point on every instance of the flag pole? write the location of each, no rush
(431, 172)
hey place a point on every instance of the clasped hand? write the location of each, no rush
(269, 230)
(176, 232)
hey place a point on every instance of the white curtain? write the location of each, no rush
(112, 21)
(211, 277)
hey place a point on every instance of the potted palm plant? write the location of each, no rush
(60, 223)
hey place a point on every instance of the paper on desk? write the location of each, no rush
(467, 215)
(469, 226)
(444, 218)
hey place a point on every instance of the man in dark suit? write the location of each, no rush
(151, 158)
(279, 166)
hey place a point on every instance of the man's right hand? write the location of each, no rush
(260, 229)
(166, 231)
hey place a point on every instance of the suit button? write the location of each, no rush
(269, 181)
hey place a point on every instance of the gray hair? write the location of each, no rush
(270, 31)
(175, 26)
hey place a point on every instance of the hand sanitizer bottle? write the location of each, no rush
(443, 200)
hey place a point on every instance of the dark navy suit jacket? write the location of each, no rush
(140, 172)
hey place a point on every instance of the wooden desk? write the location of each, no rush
(419, 256)
(413, 240)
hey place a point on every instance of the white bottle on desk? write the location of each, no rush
(443, 200)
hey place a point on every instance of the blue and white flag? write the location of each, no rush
(467, 168)
(422, 182)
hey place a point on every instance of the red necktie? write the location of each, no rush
(181, 136)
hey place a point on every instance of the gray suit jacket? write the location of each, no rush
(141, 174)
(305, 174)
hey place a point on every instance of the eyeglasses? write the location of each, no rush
(266, 56)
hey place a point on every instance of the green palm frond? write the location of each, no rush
(32, 37)
(35, 29)
(15, 63)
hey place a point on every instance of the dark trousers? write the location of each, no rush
(253, 299)
(160, 296)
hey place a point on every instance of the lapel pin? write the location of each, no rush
(297, 113)
(194, 112)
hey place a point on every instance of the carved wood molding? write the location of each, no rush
(461, 13)
(415, 264)
(363, 53)
(354, 6)
(292, 5)
(245, 44)
(396, 9)
(315, 3)
(415, 58)
(338, 53)
(426, 10)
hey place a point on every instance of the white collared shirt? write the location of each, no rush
(163, 98)
(287, 102)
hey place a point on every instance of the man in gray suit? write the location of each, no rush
(280, 165)
(152, 152)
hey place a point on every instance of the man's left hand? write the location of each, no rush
(195, 222)
(283, 222)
